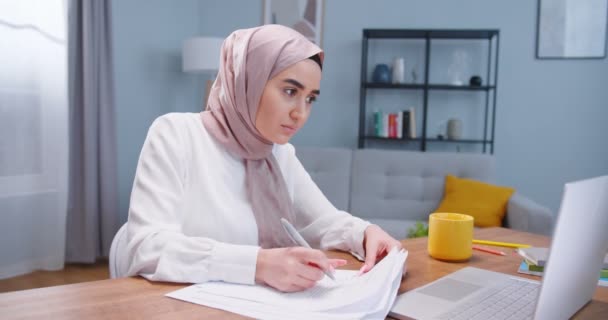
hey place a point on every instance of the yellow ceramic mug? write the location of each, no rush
(450, 236)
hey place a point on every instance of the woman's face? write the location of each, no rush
(286, 101)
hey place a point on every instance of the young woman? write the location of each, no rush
(211, 188)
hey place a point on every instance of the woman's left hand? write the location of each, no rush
(377, 244)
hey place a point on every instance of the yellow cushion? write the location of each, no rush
(487, 203)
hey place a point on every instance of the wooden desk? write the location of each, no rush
(139, 298)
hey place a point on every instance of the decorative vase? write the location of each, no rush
(399, 70)
(382, 74)
(454, 129)
(458, 67)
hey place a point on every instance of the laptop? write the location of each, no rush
(571, 274)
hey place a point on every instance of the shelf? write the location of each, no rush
(392, 139)
(457, 140)
(427, 139)
(377, 85)
(455, 87)
(429, 87)
(431, 34)
(374, 85)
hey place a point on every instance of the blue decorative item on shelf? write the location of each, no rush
(382, 74)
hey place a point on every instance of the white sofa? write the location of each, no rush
(394, 189)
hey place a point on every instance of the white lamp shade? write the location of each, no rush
(201, 54)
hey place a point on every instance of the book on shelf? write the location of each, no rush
(385, 125)
(412, 128)
(377, 123)
(405, 124)
(392, 125)
(397, 125)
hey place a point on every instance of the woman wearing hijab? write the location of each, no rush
(211, 188)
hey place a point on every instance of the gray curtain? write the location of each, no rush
(92, 218)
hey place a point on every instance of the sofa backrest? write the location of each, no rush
(388, 184)
(330, 169)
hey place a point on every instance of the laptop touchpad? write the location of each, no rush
(450, 289)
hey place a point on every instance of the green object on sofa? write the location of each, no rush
(418, 230)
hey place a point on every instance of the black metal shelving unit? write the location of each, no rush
(492, 36)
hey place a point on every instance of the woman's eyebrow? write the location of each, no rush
(300, 86)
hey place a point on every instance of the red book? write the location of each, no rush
(393, 125)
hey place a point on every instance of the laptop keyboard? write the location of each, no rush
(513, 299)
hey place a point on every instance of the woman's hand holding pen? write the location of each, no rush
(377, 244)
(293, 269)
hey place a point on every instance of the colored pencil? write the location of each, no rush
(488, 250)
(501, 244)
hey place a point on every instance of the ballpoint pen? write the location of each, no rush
(297, 238)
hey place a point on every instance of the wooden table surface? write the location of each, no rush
(136, 298)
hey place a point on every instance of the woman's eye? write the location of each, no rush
(311, 99)
(290, 92)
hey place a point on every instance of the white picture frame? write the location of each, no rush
(305, 16)
(570, 29)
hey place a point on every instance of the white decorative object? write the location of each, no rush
(460, 64)
(398, 70)
(454, 129)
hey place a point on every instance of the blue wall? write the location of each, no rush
(148, 36)
(550, 112)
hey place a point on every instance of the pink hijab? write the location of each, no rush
(249, 58)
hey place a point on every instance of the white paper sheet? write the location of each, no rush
(349, 297)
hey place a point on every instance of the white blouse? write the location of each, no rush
(189, 218)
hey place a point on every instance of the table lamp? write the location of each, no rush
(202, 55)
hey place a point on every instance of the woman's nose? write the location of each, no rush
(296, 114)
(299, 111)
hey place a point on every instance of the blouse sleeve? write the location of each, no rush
(157, 248)
(319, 222)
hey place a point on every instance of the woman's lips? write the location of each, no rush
(289, 129)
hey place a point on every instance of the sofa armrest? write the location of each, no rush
(526, 215)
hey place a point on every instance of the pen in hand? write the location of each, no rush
(297, 238)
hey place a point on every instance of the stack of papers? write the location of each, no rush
(368, 296)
